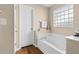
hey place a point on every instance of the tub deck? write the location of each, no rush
(53, 45)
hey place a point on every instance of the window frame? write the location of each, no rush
(61, 19)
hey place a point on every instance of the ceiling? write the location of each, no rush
(47, 5)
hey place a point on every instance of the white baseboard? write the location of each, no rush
(35, 45)
(16, 50)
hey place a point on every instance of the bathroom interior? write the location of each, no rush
(39, 28)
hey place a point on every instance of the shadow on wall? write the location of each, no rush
(6, 28)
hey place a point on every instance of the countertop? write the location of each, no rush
(71, 37)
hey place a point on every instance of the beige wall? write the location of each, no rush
(66, 31)
(76, 16)
(40, 13)
(7, 30)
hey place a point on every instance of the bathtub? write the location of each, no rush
(52, 44)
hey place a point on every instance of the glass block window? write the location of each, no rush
(63, 17)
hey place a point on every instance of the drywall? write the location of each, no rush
(7, 29)
(76, 17)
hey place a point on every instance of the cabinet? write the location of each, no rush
(72, 45)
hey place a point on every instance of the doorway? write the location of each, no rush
(26, 21)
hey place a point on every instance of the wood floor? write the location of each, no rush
(29, 50)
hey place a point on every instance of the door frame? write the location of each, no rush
(15, 6)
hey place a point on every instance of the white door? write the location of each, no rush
(26, 28)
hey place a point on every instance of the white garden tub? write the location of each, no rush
(52, 44)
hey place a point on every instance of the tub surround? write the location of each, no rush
(52, 44)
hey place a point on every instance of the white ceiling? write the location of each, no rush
(47, 5)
